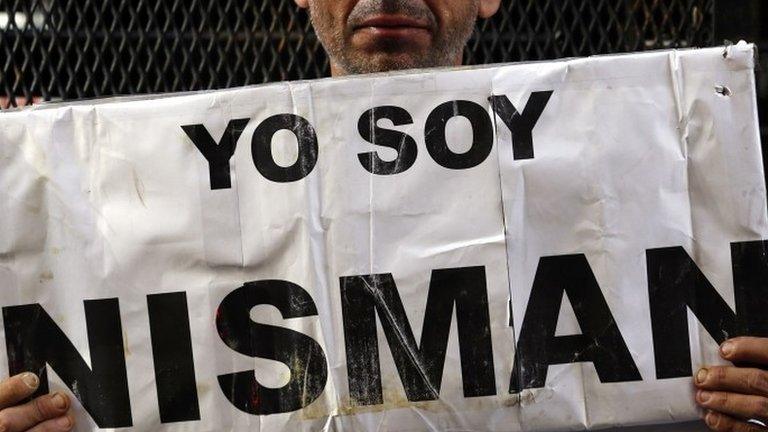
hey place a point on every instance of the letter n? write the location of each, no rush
(33, 340)
(675, 284)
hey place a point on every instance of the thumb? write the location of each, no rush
(17, 388)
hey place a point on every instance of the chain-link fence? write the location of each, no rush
(72, 49)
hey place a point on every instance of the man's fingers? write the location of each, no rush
(732, 379)
(733, 404)
(17, 388)
(61, 424)
(724, 423)
(751, 350)
(22, 417)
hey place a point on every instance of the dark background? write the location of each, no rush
(74, 49)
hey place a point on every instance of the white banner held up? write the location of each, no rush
(366, 253)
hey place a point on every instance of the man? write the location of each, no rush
(365, 36)
(382, 35)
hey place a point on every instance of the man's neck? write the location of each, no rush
(338, 71)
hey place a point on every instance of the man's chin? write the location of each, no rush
(387, 62)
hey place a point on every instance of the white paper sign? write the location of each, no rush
(367, 253)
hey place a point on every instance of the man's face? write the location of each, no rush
(364, 36)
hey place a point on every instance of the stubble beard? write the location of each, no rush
(446, 49)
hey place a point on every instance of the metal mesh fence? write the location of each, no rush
(67, 49)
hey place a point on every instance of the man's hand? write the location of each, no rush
(735, 395)
(44, 414)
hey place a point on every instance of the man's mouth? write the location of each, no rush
(394, 26)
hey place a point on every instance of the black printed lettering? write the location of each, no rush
(261, 147)
(172, 355)
(33, 340)
(218, 156)
(600, 343)
(420, 367)
(300, 353)
(521, 125)
(404, 144)
(482, 135)
(676, 284)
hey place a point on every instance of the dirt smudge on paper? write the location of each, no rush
(138, 185)
(46, 276)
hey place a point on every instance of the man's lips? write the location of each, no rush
(392, 21)
(393, 26)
